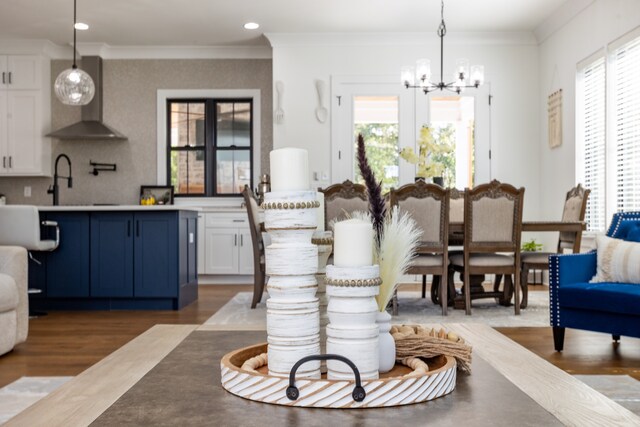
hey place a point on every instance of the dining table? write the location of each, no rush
(456, 238)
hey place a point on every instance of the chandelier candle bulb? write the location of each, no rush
(289, 169)
(353, 243)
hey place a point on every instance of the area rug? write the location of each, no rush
(24, 392)
(237, 315)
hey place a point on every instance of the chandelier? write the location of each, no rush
(419, 76)
(74, 86)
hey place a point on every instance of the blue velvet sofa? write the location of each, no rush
(612, 308)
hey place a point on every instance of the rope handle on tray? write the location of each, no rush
(293, 393)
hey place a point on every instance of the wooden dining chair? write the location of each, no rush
(493, 225)
(575, 207)
(259, 270)
(428, 205)
(340, 200)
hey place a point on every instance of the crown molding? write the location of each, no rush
(174, 52)
(35, 47)
(559, 18)
(399, 39)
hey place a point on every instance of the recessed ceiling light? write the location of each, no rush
(81, 26)
(251, 26)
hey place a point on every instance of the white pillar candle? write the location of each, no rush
(289, 169)
(320, 211)
(353, 243)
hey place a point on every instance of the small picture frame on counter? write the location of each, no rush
(156, 195)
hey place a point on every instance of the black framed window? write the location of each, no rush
(209, 146)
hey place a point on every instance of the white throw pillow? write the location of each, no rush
(618, 261)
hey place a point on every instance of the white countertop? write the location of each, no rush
(113, 208)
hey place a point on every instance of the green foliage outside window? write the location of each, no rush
(381, 142)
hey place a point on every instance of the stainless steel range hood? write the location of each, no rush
(91, 127)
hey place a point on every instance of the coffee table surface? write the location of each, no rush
(170, 375)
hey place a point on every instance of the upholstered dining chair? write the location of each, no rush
(428, 205)
(456, 215)
(493, 225)
(343, 199)
(575, 206)
(259, 270)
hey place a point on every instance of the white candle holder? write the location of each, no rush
(352, 331)
(293, 317)
(324, 241)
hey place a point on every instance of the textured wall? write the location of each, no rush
(130, 88)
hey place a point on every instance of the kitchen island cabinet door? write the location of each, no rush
(156, 254)
(67, 267)
(111, 254)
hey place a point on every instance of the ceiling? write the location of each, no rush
(220, 22)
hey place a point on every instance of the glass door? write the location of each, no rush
(383, 112)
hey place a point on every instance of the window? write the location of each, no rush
(609, 130)
(209, 146)
(452, 122)
(626, 125)
(592, 102)
(376, 118)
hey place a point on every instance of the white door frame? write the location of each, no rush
(413, 108)
(343, 89)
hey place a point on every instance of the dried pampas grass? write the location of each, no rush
(400, 240)
(398, 245)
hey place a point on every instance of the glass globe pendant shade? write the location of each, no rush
(74, 87)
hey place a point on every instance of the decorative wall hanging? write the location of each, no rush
(554, 107)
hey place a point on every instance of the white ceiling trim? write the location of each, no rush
(174, 52)
(561, 17)
(404, 39)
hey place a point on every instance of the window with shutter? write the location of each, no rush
(591, 124)
(608, 130)
(625, 117)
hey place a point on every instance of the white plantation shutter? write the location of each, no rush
(592, 123)
(625, 117)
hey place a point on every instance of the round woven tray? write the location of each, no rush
(401, 386)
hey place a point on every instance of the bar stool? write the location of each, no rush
(20, 226)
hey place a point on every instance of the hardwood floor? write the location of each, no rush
(66, 343)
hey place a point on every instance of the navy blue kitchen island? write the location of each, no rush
(117, 258)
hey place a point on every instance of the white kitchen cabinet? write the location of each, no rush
(24, 116)
(221, 251)
(22, 72)
(245, 252)
(201, 245)
(226, 247)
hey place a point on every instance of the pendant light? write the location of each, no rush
(74, 86)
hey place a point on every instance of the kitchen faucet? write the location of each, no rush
(54, 189)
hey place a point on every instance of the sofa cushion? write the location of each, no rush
(607, 297)
(618, 261)
(8, 293)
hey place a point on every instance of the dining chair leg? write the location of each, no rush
(424, 286)
(516, 290)
(524, 283)
(258, 288)
(507, 291)
(467, 292)
(444, 284)
(435, 293)
(496, 282)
